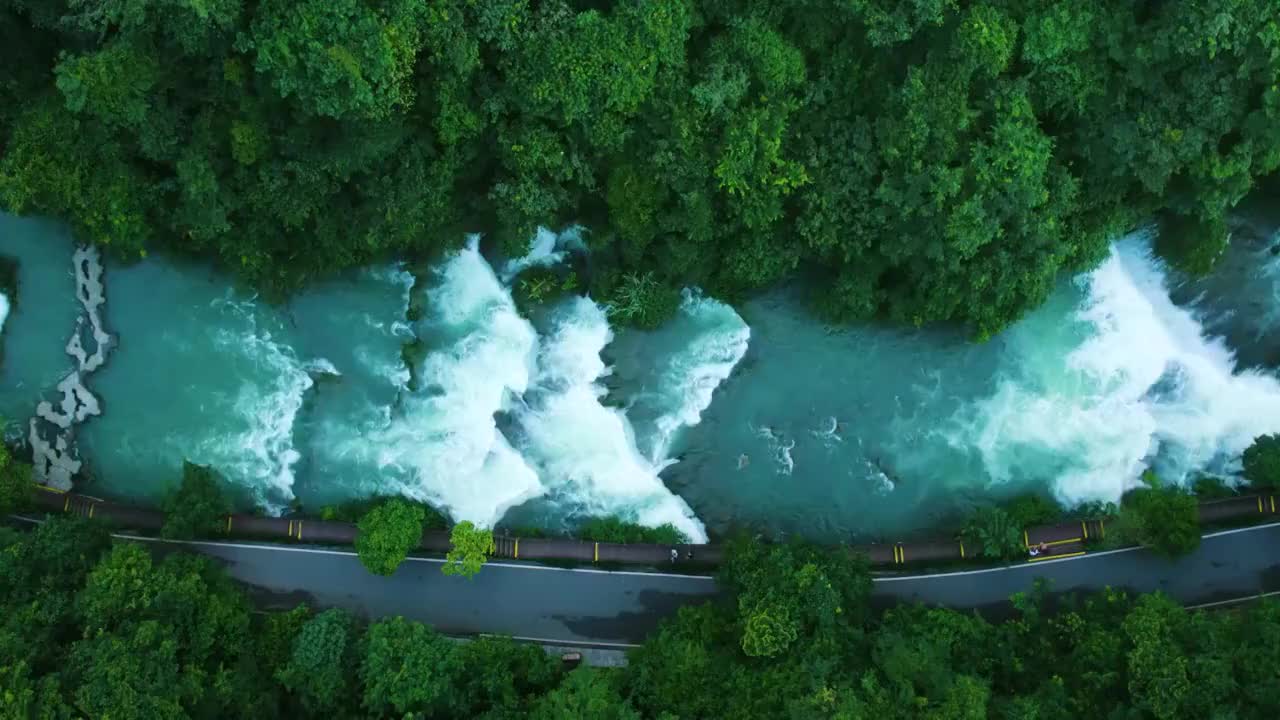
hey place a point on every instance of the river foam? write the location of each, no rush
(504, 412)
(1144, 388)
(256, 448)
(585, 451)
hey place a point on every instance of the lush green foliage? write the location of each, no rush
(543, 284)
(353, 510)
(198, 507)
(613, 529)
(1211, 487)
(91, 630)
(471, 546)
(15, 483)
(1035, 509)
(1262, 462)
(318, 670)
(795, 590)
(641, 301)
(1164, 518)
(387, 533)
(995, 533)
(928, 160)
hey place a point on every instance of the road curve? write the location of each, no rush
(595, 607)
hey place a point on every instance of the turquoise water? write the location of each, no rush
(40, 320)
(759, 415)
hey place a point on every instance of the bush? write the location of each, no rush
(613, 529)
(1031, 510)
(995, 533)
(1162, 518)
(471, 547)
(641, 301)
(354, 510)
(541, 285)
(1262, 462)
(387, 533)
(198, 508)
(1210, 487)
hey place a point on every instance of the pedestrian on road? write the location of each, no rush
(675, 554)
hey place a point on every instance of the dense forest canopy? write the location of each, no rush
(928, 160)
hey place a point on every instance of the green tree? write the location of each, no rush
(341, 59)
(500, 675)
(586, 693)
(409, 669)
(198, 507)
(1162, 518)
(319, 669)
(183, 627)
(15, 483)
(1262, 462)
(471, 546)
(1159, 676)
(794, 590)
(387, 533)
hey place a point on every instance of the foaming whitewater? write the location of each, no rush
(718, 340)
(586, 452)
(502, 414)
(547, 248)
(442, 444)
(257, 451)
(1144, 388)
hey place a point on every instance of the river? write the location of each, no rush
(759, 415)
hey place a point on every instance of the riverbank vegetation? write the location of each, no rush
(198, 508)
(926, 162)
(1262, 462)
(388, 532)
(1160, 516)
(92, 629)
(15, 482)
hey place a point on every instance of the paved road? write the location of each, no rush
(1228, 564)
(583, 606)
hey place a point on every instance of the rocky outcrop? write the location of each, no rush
(52, 431)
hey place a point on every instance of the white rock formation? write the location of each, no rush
(56, 460)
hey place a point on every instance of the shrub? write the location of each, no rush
(387, 533)
(1030, 510)
(542, 284)
(613, 529)
(641, 301)
(1210, 487)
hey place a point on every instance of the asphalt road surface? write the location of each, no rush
(616, 609)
